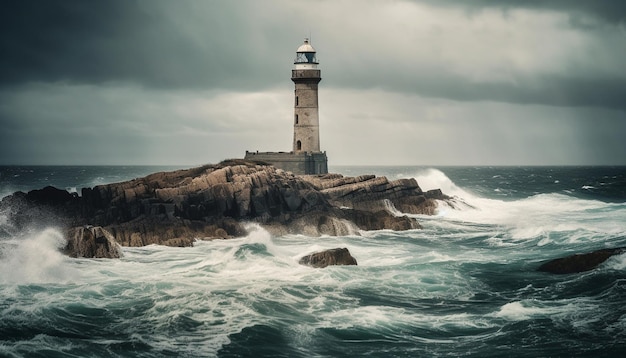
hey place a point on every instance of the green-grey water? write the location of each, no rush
(465, 285)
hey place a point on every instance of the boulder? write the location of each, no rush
(92, 242)
(339, 256)
(579, 262)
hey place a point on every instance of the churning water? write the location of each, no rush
(464, 285)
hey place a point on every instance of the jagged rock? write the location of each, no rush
(49, 195)
(339, 256)
(92, 242)
(579, 262)
(212, 201)
(373, 194)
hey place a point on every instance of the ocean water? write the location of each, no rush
(465, 285)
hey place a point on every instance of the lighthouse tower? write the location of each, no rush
(306, 156)
(306, 76)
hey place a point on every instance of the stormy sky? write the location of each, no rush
(413, 82)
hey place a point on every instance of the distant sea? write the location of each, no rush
(465, 285)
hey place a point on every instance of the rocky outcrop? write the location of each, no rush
(339, 256)
(92, 242)
(41, 208)
(213, 201)
(373, 194)
(579, 262)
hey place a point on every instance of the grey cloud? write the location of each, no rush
(60, 124)
(609, 10)
(154, 81)
(153, 43)
(535, 57)
(435, 131)
(554, 90)
(235, 45)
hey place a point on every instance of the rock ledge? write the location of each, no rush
(213, 201)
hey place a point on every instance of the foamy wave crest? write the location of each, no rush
(541, 214)
(431, 178)
(557, 310)
(617, 262)
(533, 217)
(34, 258)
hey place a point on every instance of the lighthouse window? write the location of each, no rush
(298, 145)
(296, 119)
(296, 100)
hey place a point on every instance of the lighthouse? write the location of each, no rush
(306, 76)
(305, 156)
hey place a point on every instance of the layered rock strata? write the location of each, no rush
(214, 201)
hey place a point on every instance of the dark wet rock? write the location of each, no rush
(339, 256)
(40, 208)
(213, 201)
(50, 195)
(92, 242)
(579, 262)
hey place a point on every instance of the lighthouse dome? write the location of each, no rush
(306, 54)
(306, 47)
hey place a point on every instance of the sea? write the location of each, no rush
(465, 285)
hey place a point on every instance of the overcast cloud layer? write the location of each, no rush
(404, 82)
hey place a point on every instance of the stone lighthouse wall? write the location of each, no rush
(297, 163)
(306, 132)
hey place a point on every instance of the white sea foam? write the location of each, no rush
(530, 218)
(392, 208)
(434, 256)
(5, 226)
(555, 310)
(365, 316)
(518, 311)
(617, 262)
(224, 286)
(429, 179)
(389, 320)
(34, 258)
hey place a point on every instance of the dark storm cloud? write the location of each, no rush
(236, 46)
(572, 91)
(144, 42)
(609, 10)
(157, 81)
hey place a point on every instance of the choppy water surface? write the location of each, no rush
(465, 285)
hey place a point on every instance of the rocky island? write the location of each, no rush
(214, 202)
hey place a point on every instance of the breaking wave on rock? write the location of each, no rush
(464, 285)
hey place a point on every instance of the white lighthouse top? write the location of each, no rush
(305, 57)
(306, 47)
